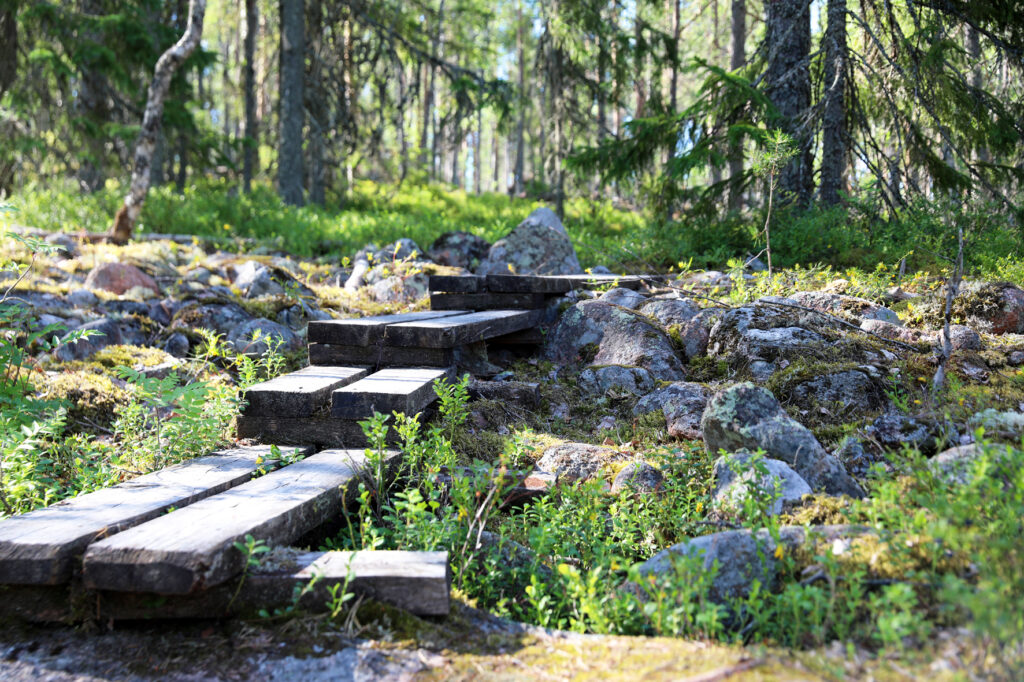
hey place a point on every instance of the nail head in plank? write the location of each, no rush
(489, 301)
(40, 547)
(193, 548)
(398, 389)
(301, 393)
(418, 582)
(465, 284)
(455, 331)
(380, 356)
(365, 331)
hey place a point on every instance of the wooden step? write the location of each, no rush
(406, 390)
(321, 431)
(532, 284)
(365, 331)
(487, 301)
(418, 582)
(379, 356)
(299, 394)
(465, 284)
(194, 547)
(460, 330)
(40, 547)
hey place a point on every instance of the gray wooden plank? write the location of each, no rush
(558, 284)
(193, 548)
(460, 330)
(397, 389)
(464, 284)
(301, 393)
(321, 431)
(486, 301)
(380, 356)
(364, 331)
(41, 547)
(418, 582)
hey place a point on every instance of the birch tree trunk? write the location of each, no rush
(128, 215)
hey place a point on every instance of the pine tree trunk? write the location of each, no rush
(517, 188)
(250, 130)
(8, 44)
(478, 149)
(317, 106)
(293, 73)
(789, 89)
(128, 215)
(738, 60)
(834, 152)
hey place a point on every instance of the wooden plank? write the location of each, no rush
(299, 394)
(193, 548)
(441, 301)
(365, 331)
(380, 356)
(466, 284)
(418, 582)
(560, 284)
(41, 547)
(321, 431)
(406, 390)
(460, 330)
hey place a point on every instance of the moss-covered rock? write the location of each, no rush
(91, 397)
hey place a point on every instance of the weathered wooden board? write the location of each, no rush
(513, 392)
(419, 582)
(487, 301)
(299, 394)
(41, 547)
(406, 390)
(380, 356)
(321, 431)
(364, 331)
(557, 284)
(460, 330)
(466, 284)
(193, 548)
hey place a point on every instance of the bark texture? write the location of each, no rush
(166, 66)
(834, 138)
(739, 58)
(249, 126)
(293, 73)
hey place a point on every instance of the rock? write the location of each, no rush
(707, 279)
(201, 275)
(761, 332)
(459, 250)
(856, 391)
(241, 337)
(298, 316)
(890, 331)
(601, 380)
(575, 461)
(68, 245)
(1016, 358)
(600, 270)
(1003, 425)
(607, 423)
(538, 246)
(670, 311)
(403, 249)
(892, 431)
(954, 465)
(747, 417)
(254, 279)
(682, 403)
(851, 307)
(82, 298)
(996, 308)
(45, 320)
(638, 477)
(754, 264)
(694, 334)
(108, 334)
(396, 289)
(221, 318)
(736, 475)
(855, 457)
(118, 278)
(627, 298)
(177, 345)
(622, 337)
(961, 337)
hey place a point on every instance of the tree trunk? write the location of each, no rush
(496, 159)
(977, 80)
(834, 152)
(8, 44)
(739, 59)
(517, 188)
(293, 72)
(478, 149)
(250, 131)
(789, 89)
(128, 216)
(316, 105)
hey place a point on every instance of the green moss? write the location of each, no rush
(817, 510)
(91, 397)
(129, 356)
(706, 369)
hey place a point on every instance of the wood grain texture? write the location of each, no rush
(364, 331)
(486, 301)
(418, 582)
(321, 431)
(380, 356)
(465, 284)
(406, 390)
(460, 330)
(301, 393)
(42, 546)
(194, 548)
(558, 284)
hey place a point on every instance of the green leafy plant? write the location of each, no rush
(778, 148)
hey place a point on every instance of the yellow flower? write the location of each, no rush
(226, 227)
(917, 402)
(700, 507)
(779, 551)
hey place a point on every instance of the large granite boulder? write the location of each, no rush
(120, 278)
(682, 403)
(538, 246)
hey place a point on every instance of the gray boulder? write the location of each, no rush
(459, 250)
(670, 311)
(961, 337)
(575, 461)
(955, 464)
(621, 337)
(763, 332)
(615, 378)
(397, 289)
(851, 307)
(222, 318)
(241, 337)
(682, 403)
(1003, 425)
(639, 477)
(254, 279)
(892, 431)
(736, 478)
(747, 417)
(177, 345)
(82, 298)
(627, 298)
(107, 333)
(538, 246)
(857, 390)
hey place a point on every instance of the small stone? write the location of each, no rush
(538, 246)
(615, 378)
(1016, 358)
(241, 337)
(736, 477)
(575, 461)
(118, 278)
(68, 245)
(459, 250)
(892, 431)
(639, 477)
(627, 298)
(177, 345)
(82, 298)
(108, 333)
(670, 311)
(255, 279)
(607, 423)
(962, 337)
(682, 403)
